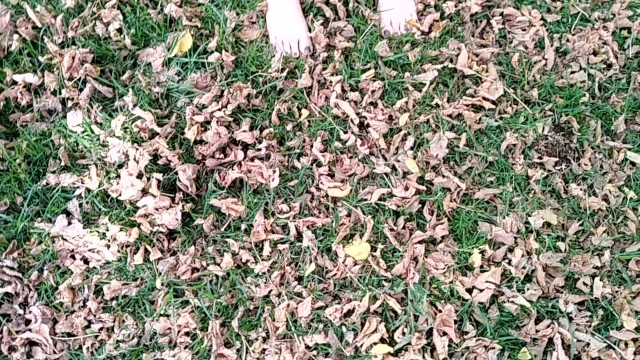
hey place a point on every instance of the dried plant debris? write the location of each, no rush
(169, 190)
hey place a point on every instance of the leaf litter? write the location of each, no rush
(360, 246)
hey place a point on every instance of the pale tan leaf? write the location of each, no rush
(310, 269)
(304, 308)
(475, 259)
(381, 349)
(339, 191)
(403, 119)
(74, 120)
(438, 146)
(631, 156)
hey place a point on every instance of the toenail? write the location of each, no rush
(386, 33)
(307, 50)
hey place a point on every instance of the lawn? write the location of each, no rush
(170, 190)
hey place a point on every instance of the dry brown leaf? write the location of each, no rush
(187, 174)
(382, 49)
(445, 322)
(485, 194)
(510, 139)
(348, 109)
(624, 335)
(304, 308)
(438, 146)
(154, 56)
(497, 233)
(230, 206)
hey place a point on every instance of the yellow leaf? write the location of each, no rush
(412, 165)
(358, 249)
(339, 191)
(310, 269)
(524, 354)
(633, 156)
(381, 349)
(184, 43)
(413, 23)
(475, 259)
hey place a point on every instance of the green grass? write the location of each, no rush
(29, 153)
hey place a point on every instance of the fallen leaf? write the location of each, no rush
(74, 120)
(310, 269)
(358, 249)
(485, 194)
(339, 191)
(412, 165)
(631, 156)
(381, 349)
(153, 56)
(624, 335)
(475, 259)
(413, 23)
(524, 354)
(230, 206)
(403, 119)
(304, 308)
(28, 78)
(182, 45)
(187, 174)
(445, 322)
(438, 146)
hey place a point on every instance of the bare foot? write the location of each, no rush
(287, 27)
(394, 15)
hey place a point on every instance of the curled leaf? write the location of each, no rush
(339, 191)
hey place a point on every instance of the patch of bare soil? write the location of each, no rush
(558, 143)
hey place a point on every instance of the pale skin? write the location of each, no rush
(289, 32)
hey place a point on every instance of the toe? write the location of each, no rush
(304, 45)
(287, 47)
(274, 43)
(398, 26)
